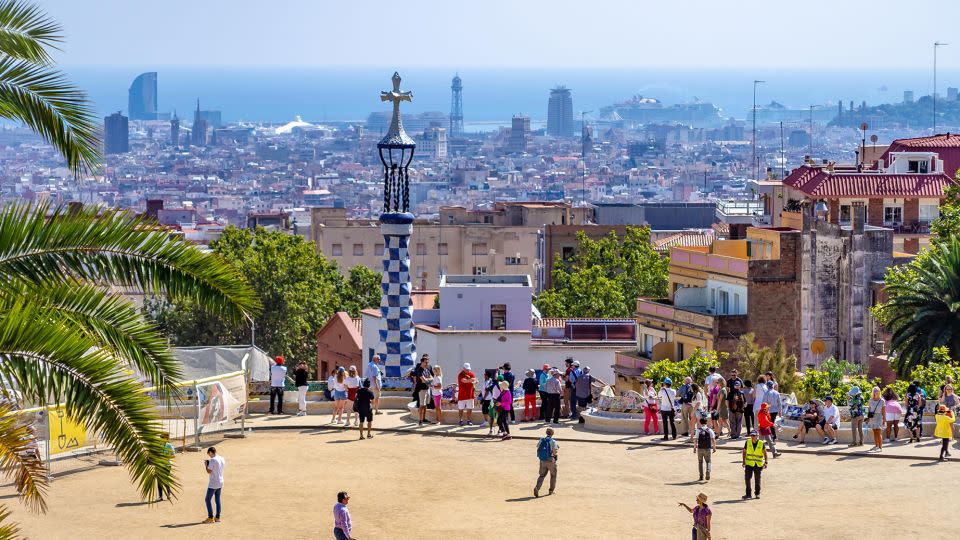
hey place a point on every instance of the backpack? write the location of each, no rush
(544, 452)
(704, 440)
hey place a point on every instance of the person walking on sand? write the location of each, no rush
(436, 393)
(466, 382)
(754, 462)
(542, 390)
(855, 403)
(875, 418)
(667, 397)
(766, 427)
(214, 465)
(530, 386)
(503, 411)
(554, 393)
(352, 383)
(704, 446)
(944, 430)
(278, 379)
(375, 374)
(364, 405)
(300, 375)
(547, 449)
(701, 518)
(342, 525)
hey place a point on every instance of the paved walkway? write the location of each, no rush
(399, 421)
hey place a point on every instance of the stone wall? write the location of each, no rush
(774, 296)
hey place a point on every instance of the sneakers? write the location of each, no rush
(482, 424)
(536, 493)
(708, 476)
(209, 520)
(461, 423)
(832, 441)
(826, 440)
(469, 423)
(747, 496)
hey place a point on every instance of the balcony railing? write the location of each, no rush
(708, 262)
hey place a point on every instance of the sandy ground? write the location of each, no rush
(283, 484)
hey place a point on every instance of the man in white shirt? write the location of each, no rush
(376, 381)
(278, 378)
(667, 397)
(215, 465)
(831, 420)
(759, 392)
(712, 376)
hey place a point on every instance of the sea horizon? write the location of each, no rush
(490, 96)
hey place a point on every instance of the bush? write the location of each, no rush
(931, 377)
(818, 384)
(697, 366)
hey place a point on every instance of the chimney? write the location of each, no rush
(858, 217)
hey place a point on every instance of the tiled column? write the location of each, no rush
(396, 313)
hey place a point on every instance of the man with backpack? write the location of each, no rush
(547, 454)
(704, 446)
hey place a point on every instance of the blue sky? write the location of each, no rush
(502, 33)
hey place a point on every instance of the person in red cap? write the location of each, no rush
(278, 378)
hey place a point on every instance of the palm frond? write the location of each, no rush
(8, 531)
(20, 459)
(42, 98)
(46, 363)
(110, 320)
(115, 247)
(26, 32)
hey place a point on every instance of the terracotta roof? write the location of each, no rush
(946, 145)
(685, 239)
(819, 182)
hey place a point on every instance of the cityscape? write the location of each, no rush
(330, 249)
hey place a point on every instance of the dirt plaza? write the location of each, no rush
(410, 484)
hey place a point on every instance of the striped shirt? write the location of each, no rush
(341, 518)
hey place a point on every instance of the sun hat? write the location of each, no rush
(942, 408)
(854, 391)
(586, 370)
(769, 384)
(504, 385)
(500, 378)
(753, 433)
(702, 497)
(466, 365)
(279, 360)
(530, 373)
(667, 380)
(576, 363)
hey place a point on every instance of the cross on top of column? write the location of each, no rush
(396, 136)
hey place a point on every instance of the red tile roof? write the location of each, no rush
(682, 239)
(947, 145)
(819, 182)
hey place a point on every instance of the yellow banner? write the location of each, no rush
(65, 434)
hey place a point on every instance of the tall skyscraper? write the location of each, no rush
(560, 113)
(519, 134)
(175, 130)
(143, 97)
(116, 137)
(198, 132)
(456, 107)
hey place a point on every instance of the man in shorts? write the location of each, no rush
(375, 374)
(830, 422)
(466, 381)
(422, 374)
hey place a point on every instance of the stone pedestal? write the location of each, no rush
(396, 313)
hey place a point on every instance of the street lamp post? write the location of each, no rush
(755, 170)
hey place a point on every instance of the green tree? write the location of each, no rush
(605, 277)
(923, 310)
(753, 361)
(362, 290)
(695, 366)
(298, 288)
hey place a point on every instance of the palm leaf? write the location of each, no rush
(26, 33)
(8, 531)
(20, 459)
(41, 97)
(46, 363)
(116, 247)
(113, 322)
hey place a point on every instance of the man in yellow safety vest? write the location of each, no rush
(754, 462)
